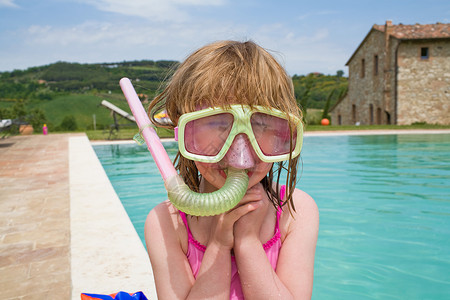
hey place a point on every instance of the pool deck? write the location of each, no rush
(63, 230)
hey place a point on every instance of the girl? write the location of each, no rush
(236, 107)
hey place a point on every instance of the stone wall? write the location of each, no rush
(390, 84)
(423, 85)
(365, 97)
(341, 114)
(407, 89)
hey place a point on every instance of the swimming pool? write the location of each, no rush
(384, 204)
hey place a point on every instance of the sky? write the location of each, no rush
(305, 36)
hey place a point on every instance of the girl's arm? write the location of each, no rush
(293, 278)
(173, 275)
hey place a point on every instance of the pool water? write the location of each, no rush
(384, 204)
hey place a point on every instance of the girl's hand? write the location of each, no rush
(221, 232)
(249, 225)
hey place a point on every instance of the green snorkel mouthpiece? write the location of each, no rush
(183, 198)
(208, 204)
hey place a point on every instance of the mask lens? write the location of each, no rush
(272, 134)
(206, 136)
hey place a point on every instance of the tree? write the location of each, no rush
(326, 107)
(36, 118)
(303, 98)
(69, 123)
(18, 110)
(5, 113)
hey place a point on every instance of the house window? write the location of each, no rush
(424, 53)
(339, 119)
(375, 65)
(371, 113)
(363, 67)
(353, 113)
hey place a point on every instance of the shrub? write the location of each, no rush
(68, 123)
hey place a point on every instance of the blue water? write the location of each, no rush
(384, 204)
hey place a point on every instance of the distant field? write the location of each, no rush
(82, 107)
(123, 134)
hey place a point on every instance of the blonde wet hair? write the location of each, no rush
(224, 73)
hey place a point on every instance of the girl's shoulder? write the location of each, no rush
(303, 201)
(165, 219)
(305, 215)
(163, 214)
(164, 208)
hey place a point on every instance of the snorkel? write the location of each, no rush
(181, 196)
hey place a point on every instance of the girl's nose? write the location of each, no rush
(241, 154)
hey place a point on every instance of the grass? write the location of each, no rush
(123, 134)
(82, 106)
(128, 133)
(373, 127)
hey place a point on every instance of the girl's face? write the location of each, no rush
(208, 133)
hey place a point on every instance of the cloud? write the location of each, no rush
(121, 35)
(8, 3)
(156, 10)
(95, 41)
(302, 53)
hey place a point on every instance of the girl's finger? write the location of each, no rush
(242, 210)
(251, 196)
(254, 190)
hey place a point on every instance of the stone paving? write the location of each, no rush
(34, 217)
(63, 230)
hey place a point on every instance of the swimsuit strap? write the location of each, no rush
(184, 218)
(190, 236)
(282, 192)
(277, 224)
(279, 210)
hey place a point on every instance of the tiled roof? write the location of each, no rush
(417, 31)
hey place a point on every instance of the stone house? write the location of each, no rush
(399, 74)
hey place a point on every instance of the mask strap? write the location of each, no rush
(138, 138)
(175, 131)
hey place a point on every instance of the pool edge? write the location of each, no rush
(107, 254)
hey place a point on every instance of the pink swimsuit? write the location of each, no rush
(196, 251)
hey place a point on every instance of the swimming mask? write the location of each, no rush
(206, 135)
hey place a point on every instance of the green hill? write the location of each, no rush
(42, 83)
(70, 92)
(75, 90)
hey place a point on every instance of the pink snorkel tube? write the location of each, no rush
(152, 140)
(198, 204)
